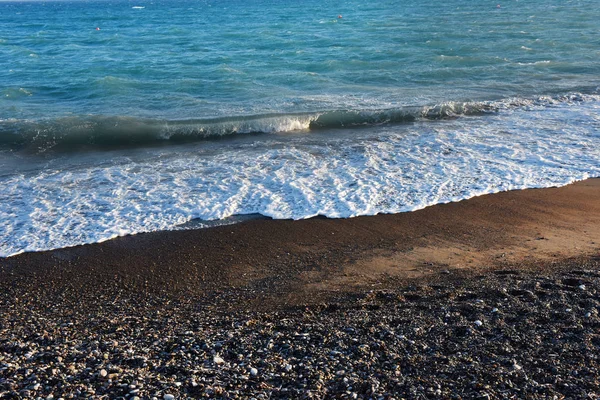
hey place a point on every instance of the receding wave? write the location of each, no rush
(110, 131)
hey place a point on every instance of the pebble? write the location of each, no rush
(218, 360)
(516, 366)
(399, 348)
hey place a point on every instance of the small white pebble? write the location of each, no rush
(517, 367)
(494, 310)
(568, 310)
(478, 323)
(582, 287)
(253, 371)
(288, 367)
(588, 315)
(103, 373)
(168, 397)
(218, 360)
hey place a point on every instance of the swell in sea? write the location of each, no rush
(102, 131)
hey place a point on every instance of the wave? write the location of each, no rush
(97, 131)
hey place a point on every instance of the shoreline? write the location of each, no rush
(492, 297)
(309, 260)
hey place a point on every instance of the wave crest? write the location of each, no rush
(110, 131)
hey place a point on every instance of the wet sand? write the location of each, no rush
(277, 263)
(492, 297)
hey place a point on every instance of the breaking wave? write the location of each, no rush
(68, 133)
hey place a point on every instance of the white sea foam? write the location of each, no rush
(284, 123)
(340, 173)
(543, 62)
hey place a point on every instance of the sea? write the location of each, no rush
(126, 116)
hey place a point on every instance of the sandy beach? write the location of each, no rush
(491, 297)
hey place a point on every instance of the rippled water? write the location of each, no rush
(119, 117)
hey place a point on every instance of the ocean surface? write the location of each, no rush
(119, 117)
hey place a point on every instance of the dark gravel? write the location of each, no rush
(510, 334)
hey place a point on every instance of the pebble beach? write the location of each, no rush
(507, 334)
(299, 200)
(104, 322)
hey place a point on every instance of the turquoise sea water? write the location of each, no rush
(119, 117)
